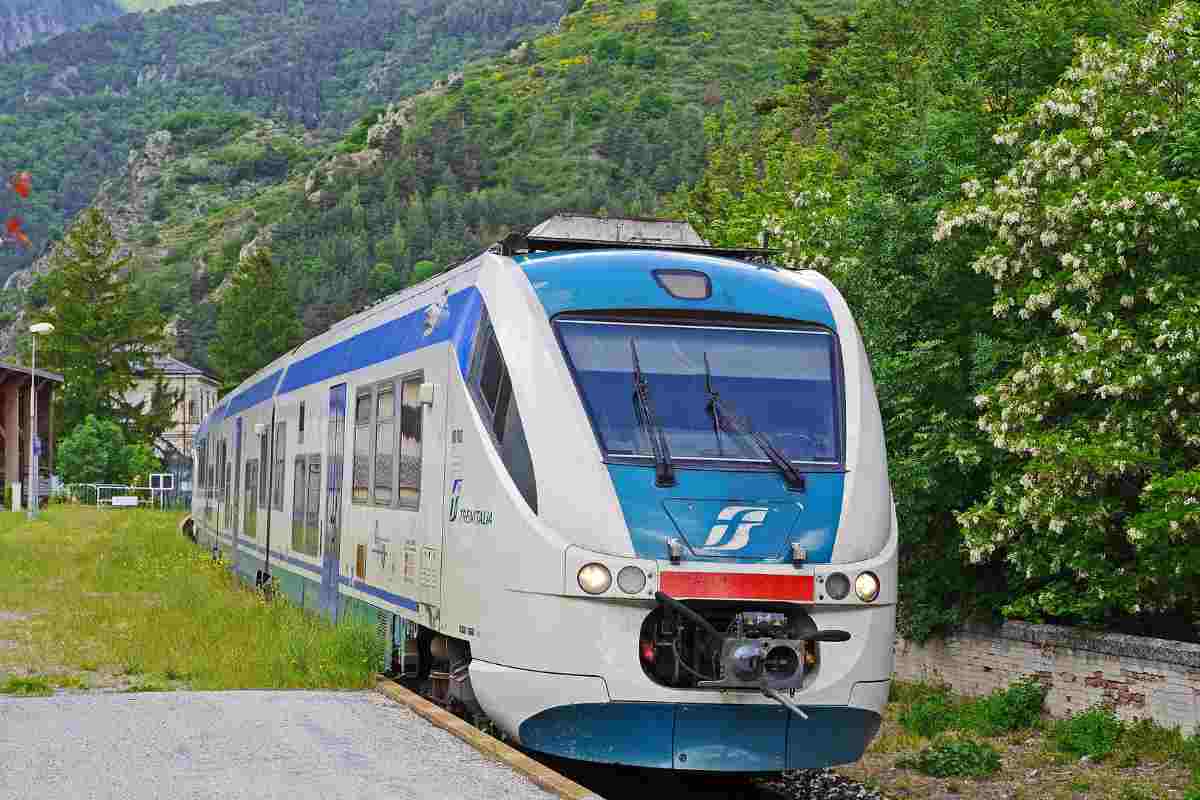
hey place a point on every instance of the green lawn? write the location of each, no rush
(120, 599)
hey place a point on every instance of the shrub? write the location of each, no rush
(1018, 706)
(954, 757)
(1093, 733)
(930, 715)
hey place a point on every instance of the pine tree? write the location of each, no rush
(105, 334)
(257, 319)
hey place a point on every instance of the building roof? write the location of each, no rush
(8, 369)
(168, 365)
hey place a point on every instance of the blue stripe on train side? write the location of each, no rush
(263, 390)
(598, 280)
(393, 338)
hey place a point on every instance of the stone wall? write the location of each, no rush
(1138, 677)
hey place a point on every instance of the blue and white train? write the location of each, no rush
(632, 499)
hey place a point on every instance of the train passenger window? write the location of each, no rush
(251, 526)
(312, 524)
(492, 392)
(300, 427)
(385, 443)
(361, 479)
(264, 458)
(280, 456)
(410, 443)
(299, 494)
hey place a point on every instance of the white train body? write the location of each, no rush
(399, 483)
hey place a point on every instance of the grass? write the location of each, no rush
(26, 687)
(120, 595)
(935, 743)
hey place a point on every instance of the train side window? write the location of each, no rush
(299, 496)
(264, 458)
(251, 489)
(492, 392)
(385, 443)
(361, 479)
(280, 460)
(312, 525)
(410, 443)
(300, 427)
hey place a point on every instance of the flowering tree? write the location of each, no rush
(1091, 241)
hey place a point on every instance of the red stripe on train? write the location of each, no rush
(740, 586)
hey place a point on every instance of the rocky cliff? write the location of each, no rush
(26, 22)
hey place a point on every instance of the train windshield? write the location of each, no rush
(781, 382)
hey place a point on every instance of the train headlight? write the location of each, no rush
(837, 586)
(866, 586)
(631, 579)
(594, 578)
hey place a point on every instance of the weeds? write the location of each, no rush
(129, 594)
(954, 757)
(1093, 733)
(1015, 708)
(27, 687)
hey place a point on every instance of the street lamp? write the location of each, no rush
(36, 329)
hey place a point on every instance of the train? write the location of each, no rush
(621, 491)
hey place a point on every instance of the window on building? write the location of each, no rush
(387, 455)
(191, 412)
(280, 460)
(300, 427)
(492, 392)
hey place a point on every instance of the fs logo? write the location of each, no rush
(454, 498)
(746, 519)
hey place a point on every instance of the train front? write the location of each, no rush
(709, 445)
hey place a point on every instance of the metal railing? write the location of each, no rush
(101, 495)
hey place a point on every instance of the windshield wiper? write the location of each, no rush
(664, 470)
(726, 417)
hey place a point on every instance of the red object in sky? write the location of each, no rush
(13, 228)
(21, 183)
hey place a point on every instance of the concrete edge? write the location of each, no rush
(542, 776)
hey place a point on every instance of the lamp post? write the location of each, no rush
(36, 329)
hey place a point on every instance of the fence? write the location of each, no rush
(102, 494)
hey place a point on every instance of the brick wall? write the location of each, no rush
(1139, 677)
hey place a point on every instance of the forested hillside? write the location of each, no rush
(606, 114)
(24, 22)
(71, 107)
(1007, 194)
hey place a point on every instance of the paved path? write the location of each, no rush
(293, 745)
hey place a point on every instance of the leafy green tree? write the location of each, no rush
(105, 334)
(1090, 242)
(257, 320)
(97, 451)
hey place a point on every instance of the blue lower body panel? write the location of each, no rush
(702, 736)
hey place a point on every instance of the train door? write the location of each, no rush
(235, 497)
(335, 453)
(425, 401)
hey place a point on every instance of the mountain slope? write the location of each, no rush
(24, 22)
(605, 114)
(71, 107)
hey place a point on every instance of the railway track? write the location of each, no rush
(615, 782)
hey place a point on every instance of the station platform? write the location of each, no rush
(246, 744)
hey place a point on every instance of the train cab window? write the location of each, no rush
(280, 460)
(492, 392)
